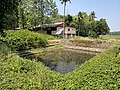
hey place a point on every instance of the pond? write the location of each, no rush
(65, 60)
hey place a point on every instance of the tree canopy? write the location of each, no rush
(8, 10)
(36, 12)
(32, 13)
(87, 25)
(26, 13)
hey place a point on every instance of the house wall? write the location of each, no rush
(70, 30)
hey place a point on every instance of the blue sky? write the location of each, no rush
(107, 9)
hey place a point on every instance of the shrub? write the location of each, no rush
(99, 73)
(24, 39)
(4, 48)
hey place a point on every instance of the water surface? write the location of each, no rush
(64, 61)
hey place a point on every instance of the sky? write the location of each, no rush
(107, 9)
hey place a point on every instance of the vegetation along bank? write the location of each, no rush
(100, 72)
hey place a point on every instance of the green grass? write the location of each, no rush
(102, 72)
(82, 38)
(110, 37)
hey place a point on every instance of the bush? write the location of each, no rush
(21, 74)
(99, 73)
(24, 39)
(4, 48)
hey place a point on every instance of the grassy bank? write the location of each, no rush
(100, 73)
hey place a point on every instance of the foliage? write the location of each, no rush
(115, 33)
(97, 28)
(88, 26)
(17, 73)
(26, 13)
(92, 16)
(4, 48)
(24, 39)
(100, 72)
(36, 12)
(8, 10)
(65, 1)
(83, 23)
(68, 20)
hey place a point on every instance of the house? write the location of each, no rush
(56, 29)
(70, 32)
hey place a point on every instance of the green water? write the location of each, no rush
(64, 61)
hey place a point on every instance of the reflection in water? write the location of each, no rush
(64, 67)
(63, 61)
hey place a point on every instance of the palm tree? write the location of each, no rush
(64, 2)
(92, 16)
(80, 17)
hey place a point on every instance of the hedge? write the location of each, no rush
(102, 72)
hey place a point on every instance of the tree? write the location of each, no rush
(68, 20)
(102, 27)
(21, 13)
(33, 13)
(97, 28)
(52, 12)
(64, 2)
(80, 17)
(92, 29)
(88, 26)
(74, 22)
(58, 18)
(8, 10)
(83, 22)
(26, 13)
(92, 16)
